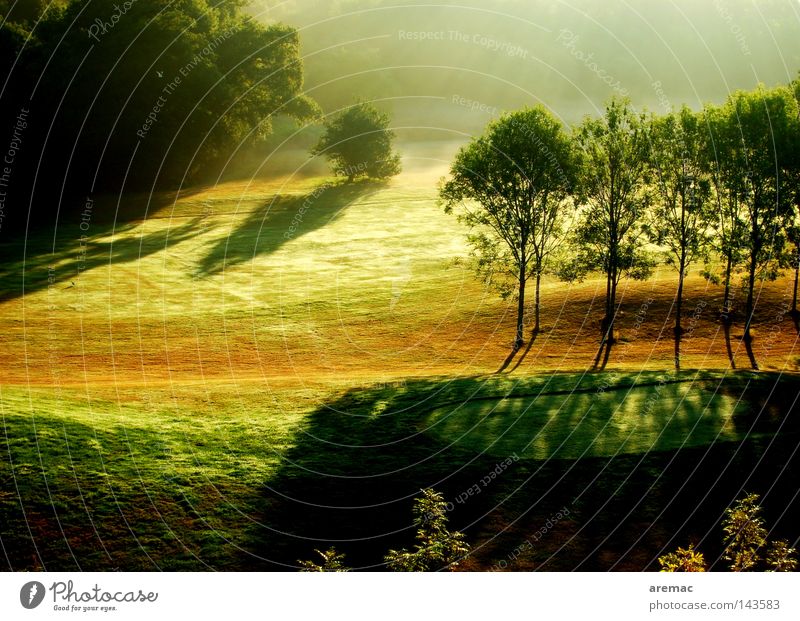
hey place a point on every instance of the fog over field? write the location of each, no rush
(454, 64)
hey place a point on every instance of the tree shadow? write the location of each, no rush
(748, 348)
(508, 360)
(41, 262)
(795, 315)
(350, 479)
(282, 219)
(534, 334)
(726, 328)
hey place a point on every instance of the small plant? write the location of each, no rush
(683, 560)
(437, 547)
(331, 561)
(780, 557)
(745, 534)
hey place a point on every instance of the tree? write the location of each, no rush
(793, 173)
(613, 187)
(512, 184)
(729, 225)
(142, 94)
(744, 533)
(765, 122)
(437, 547)
(680, 218)
(358, 143)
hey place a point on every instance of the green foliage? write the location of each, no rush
(745, 535)
(683, 560)
(331, 561)
(781, 557)
(682, 214)
(512, 185)
(437, 548)
(358, 143)
(613, 187)
(152, 91)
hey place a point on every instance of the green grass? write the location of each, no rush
(591, 423)
(106, 485)
(207, 384)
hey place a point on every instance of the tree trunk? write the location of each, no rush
(679, 310)
(605, 322)
(536, 307)
(796, 274)
(726, 301)
(749, 308)
(520, 315)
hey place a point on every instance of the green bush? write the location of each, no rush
(437, 547)
(745, 534)
(331, 561)
(683, 560)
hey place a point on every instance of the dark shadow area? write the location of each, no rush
(119, 504)
(281, 220)
(30, 268)
(351, 478)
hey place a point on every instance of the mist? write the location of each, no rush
(444, 71)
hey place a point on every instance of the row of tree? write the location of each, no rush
(719, 184)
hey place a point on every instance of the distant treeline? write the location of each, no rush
(116, 96)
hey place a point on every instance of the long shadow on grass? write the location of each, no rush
(350, 480)
(281, 220)
(59, 264)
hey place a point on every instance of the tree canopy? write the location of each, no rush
(512, 185)
(145, 94)
(358, 143)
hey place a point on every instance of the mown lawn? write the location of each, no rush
(259, 368)
(101, 486)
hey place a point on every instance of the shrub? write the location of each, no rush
(780, 557)
(683, 560)
(331, 561)
(745, 534)
(437, 547)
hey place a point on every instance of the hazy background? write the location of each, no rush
(504, 54)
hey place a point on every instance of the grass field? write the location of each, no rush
(256, 368)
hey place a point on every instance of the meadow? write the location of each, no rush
(259, 368)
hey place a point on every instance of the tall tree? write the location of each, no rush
(726, 179)
(358, 142)
(763, 123)
(793, 173)
(513, 183)
(613, 188)
(681, 215)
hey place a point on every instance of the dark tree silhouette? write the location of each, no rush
(358, 143)
(614, 176)
(512, 184)
(681, 216)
